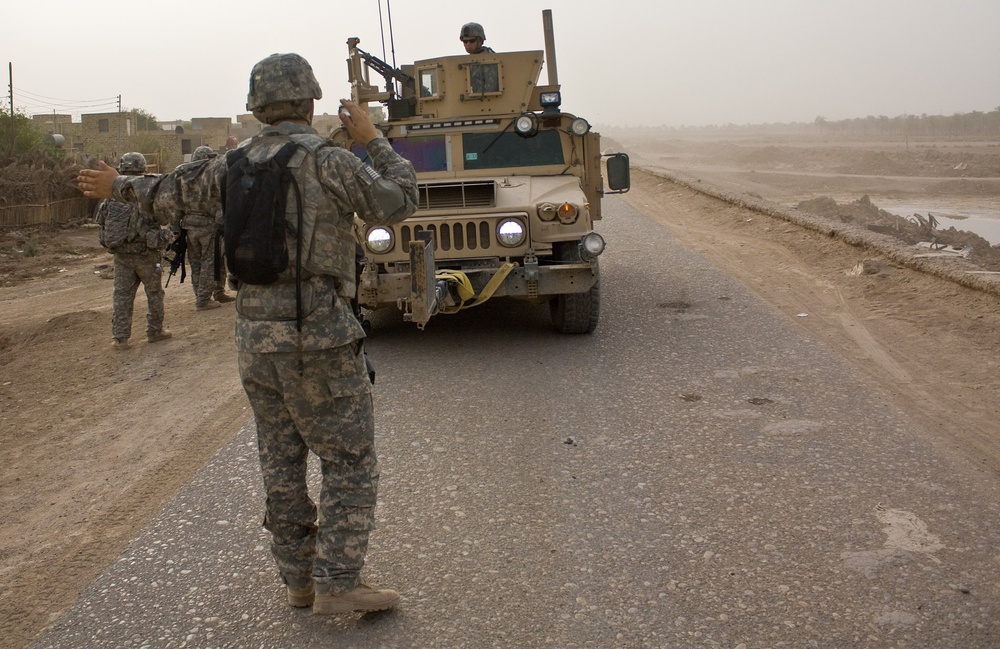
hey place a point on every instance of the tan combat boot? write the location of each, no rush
(301, 597)
(362, 598)
(207, 306)
(119, 343)
(157, 336)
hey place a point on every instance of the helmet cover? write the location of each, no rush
(132, 163)
(282, 77)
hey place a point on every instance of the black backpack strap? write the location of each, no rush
(281, 159)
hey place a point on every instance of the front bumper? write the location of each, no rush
(421, 295)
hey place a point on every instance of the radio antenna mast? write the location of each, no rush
(392, 43)
(381, 26)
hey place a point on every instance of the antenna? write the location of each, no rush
(392, 41)
(392, 44)
(381, 26)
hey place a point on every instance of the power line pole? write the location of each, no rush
(10, 75)
(119, 146)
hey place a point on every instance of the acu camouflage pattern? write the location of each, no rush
(203, 153)
(135, 262)
(132, 162)
(131, 269)
(472, 30)
(326, 409)
(282, 77)
(201, 250)
(122, 228)
(202, 233)
(309, 390)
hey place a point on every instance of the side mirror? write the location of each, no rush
(618, 173)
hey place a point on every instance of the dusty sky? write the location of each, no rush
(630, 63)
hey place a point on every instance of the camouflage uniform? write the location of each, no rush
(137, 262)
(202, 246)
(309, 389)
(203, 252)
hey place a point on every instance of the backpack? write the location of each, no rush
(119, 225)
(254, 205)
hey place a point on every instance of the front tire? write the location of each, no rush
(578, 313)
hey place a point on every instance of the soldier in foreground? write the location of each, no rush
(136, 239)
(301, 359)
(202, 232)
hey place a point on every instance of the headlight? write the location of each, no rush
(510, 232)
(379, 240)
(580, 126)
(547, 211)
(568, 213)
(591, 245)
(526, 124)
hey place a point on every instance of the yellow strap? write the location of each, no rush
(464, 286)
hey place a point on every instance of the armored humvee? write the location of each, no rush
(510, 186)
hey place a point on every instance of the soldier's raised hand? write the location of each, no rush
(96, 183)
(357, 122)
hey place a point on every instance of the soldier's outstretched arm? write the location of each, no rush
(189, 188)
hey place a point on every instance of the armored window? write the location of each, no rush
(428, 83)
(484, 79)
(428, 153)
(499, 150)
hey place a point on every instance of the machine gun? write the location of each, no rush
(362, 91)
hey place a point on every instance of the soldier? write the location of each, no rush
(136, 239)
(472, 36)
(305, 378)
(203, 250)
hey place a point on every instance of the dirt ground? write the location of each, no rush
(95, 441)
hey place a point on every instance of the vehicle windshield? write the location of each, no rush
(492, 151)
(479, 151)
(425, 153)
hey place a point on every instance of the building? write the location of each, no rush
(109, 135)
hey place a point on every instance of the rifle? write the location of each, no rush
(179, 247)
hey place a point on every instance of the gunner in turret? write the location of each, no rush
(472, 36)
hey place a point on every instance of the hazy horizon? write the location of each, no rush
(672, 64)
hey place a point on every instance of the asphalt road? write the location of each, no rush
(697, 473)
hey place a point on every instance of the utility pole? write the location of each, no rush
(10, 75)
(119, 146)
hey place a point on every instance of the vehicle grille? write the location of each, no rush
(446, 196)
(453, 236)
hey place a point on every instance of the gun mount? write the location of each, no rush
(362, 91)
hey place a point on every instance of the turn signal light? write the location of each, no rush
(568, 213)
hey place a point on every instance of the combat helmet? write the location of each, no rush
(281, 77)
(132, 163)
(203, 153)
(472, 30)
